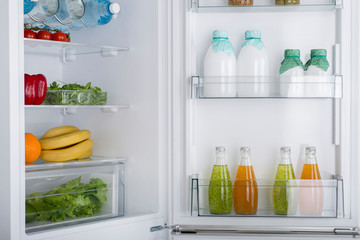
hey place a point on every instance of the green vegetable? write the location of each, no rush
(74, 94)
(71, 199)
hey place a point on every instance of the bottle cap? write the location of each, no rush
(310, 150)
(114, 8)
(318, 52)
(220, 34)
(253, 34)
(292, 53)
(245, 150)
(285, 149)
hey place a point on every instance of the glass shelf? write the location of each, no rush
(266, 5)
(91, 161)
(266, 87)
(67, 50)
(71, 109)
(293, 197)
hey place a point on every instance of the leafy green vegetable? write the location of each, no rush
(71, 199)
(74, 94)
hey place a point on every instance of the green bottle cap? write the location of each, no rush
(292, 53)
(318, 52)
(220, 34)
(253, 34)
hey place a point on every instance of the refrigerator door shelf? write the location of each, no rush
(258, 6)
(291, 198)
(205, 87)
(68, 193)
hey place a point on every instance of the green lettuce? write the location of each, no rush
(71, 199)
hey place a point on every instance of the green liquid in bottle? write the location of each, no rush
(220, 190)
(284, 192)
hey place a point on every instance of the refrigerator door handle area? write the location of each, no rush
(226, 231)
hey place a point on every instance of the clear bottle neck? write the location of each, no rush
(310, 157)
(245, 156)
(285, 155)
(220, 156)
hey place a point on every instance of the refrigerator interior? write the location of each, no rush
(133, 80)
(268, 123)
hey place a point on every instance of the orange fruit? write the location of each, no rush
(32, 148)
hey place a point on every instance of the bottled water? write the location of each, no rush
(69, 12)
(28, 6)
(97, 12)
(42, 11)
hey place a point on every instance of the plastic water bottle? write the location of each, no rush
(69, 12)
(29, 5)
(219, 65)
(292, 74)
(42, 11)
(253, 62)
(97, 12)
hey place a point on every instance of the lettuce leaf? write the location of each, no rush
(71, 199)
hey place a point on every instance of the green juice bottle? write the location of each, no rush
(220, 187)
(285, 192)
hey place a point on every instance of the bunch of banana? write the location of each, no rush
(65, 143)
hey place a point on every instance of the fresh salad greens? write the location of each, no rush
(74, 94)
(71, 199)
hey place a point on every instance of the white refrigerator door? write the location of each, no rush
(194, 28)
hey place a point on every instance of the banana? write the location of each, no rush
(77, 151)
(65, 140)
(58, 131)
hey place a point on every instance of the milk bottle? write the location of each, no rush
(317, 70)
(292, 74)
(220, 67)
(253, 67)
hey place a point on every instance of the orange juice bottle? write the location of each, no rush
(311, 193)
(245, 187)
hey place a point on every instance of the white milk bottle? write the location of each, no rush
(220, 67)
(317, 70)
(292, 74)
(253, 67)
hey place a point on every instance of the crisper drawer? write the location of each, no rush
(69, 193)
(267, 198)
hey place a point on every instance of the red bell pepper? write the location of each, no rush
(35, 89)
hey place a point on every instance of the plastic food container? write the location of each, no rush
(68, 193)
(75, 97)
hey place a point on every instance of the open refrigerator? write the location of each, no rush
(155, 138)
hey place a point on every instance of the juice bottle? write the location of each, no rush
(245, 186)
(220, 187)
(311, 193)
(284, 193)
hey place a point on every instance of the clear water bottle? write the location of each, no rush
(42, 11)
(69, 12)
(29, 5)
(97, 12)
